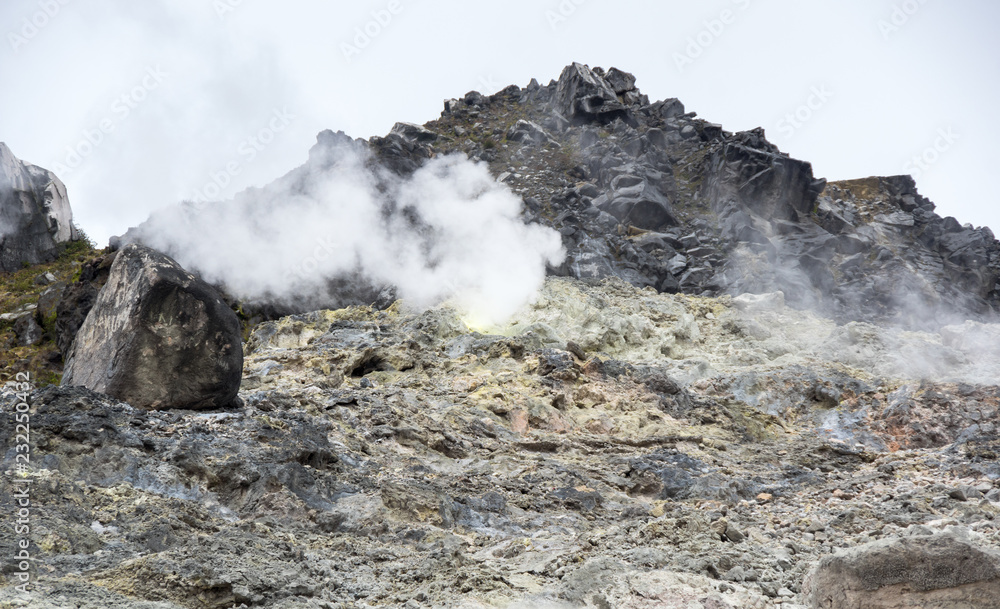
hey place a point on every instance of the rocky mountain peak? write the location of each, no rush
(651, 194)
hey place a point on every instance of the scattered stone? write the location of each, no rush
(965, 493)
(603, 435)
(529, 133)
(410, 131)
(45, 279)
(27, 332)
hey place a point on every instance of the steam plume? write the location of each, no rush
(446, 231)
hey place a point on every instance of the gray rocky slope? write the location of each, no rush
(637, 437)
(607, 447)
(651, 194)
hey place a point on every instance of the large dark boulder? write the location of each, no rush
(636, 202)
(943, 571)
(750, 171)
(157, 337)
(35, 216)
(583, 96)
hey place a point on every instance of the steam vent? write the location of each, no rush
(569, 347)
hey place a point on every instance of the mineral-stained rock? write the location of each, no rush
(607, 447)
(35, 216)
(158, 338)
(943, 571)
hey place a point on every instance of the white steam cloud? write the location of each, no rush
(448, 231)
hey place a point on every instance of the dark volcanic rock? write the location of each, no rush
(751, 172)
(529, 133)
(641, 205)
(35, 216)
(158, 338)
(583, 96)
(75, 301)
(74, 305)
(27, 331)
(592, 158)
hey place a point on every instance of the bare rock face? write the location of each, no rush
(943, 571)
(158, 338)
(34, 213)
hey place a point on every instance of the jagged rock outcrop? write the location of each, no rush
(158, 338)
(35, 216)
(942, 571)
(583, 95)
(649, 193)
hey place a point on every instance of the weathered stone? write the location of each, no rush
(637, 202)
(770, 185)
(45, 279)
(35, 216)
(528, 133)
(965, 493)
(27, 331)
(619, 81)
(158, 338)
(942, 571)
(668, 109)
(584, 96)
(414, 132)
(74, 304)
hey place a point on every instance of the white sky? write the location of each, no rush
(200, 81)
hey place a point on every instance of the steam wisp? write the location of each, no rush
(448, 231)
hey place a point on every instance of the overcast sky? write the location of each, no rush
(137, 105)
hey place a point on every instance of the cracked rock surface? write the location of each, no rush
(608, 446)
